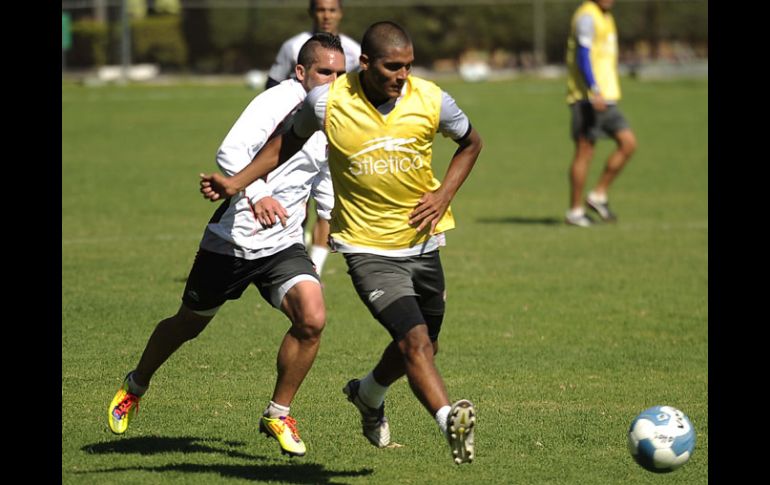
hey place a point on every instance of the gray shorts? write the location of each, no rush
(592, 125)
(381, 280)
(216, 278)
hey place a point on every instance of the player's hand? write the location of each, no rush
(216, 186)
(429, 210)
(267, 209)
(598, 102)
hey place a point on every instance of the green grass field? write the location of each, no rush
(559, 335)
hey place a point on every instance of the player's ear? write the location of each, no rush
(363, 61)
(299, 71)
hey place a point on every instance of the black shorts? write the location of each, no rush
(216, 278)
(592, 124)
(382, 282)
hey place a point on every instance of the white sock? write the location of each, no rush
(318, 256)
(274, 410)
(135, 388)
(441, 418)
(579, 212)
(371, 392)
(598, 198)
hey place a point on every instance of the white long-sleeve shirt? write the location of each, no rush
(233, 229)
(283, 67)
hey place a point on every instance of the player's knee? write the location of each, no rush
(184, 326)
(628, 145)
(310, 325)
(315, 324)
(416, 343)
(418, 351)
(629, 148)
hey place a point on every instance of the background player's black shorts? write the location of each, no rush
(592, 124)
(216, 278)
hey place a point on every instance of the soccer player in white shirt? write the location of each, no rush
(326, 15)
(256, 237)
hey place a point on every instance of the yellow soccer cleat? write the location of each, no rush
(123, 408)
(283, 429)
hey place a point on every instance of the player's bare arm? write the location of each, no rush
(276, 151)
(432, 206)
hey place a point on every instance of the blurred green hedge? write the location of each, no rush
(156, 40)
(89, 44)
(159, 40)
(235, 40)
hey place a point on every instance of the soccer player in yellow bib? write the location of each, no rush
(390, 215)
(593, 91)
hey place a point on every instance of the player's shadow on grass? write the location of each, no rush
(546, 221)
(151, 445)
(296, 471)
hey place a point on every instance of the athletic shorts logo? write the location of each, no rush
(375, 294)
(403, 160)
(193, 295)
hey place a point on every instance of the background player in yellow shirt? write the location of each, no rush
(389, 217)
(593, 91)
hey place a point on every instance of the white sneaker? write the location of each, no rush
(601, 207)
(460, 424)
(373, 421)
(581, 220)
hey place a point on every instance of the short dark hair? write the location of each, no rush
(381, 35)
(307, 54)
(312, 5)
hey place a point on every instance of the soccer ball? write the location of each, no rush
(661, 439)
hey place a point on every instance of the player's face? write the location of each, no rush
(386, 75)
(326, 16)
(328, 65)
